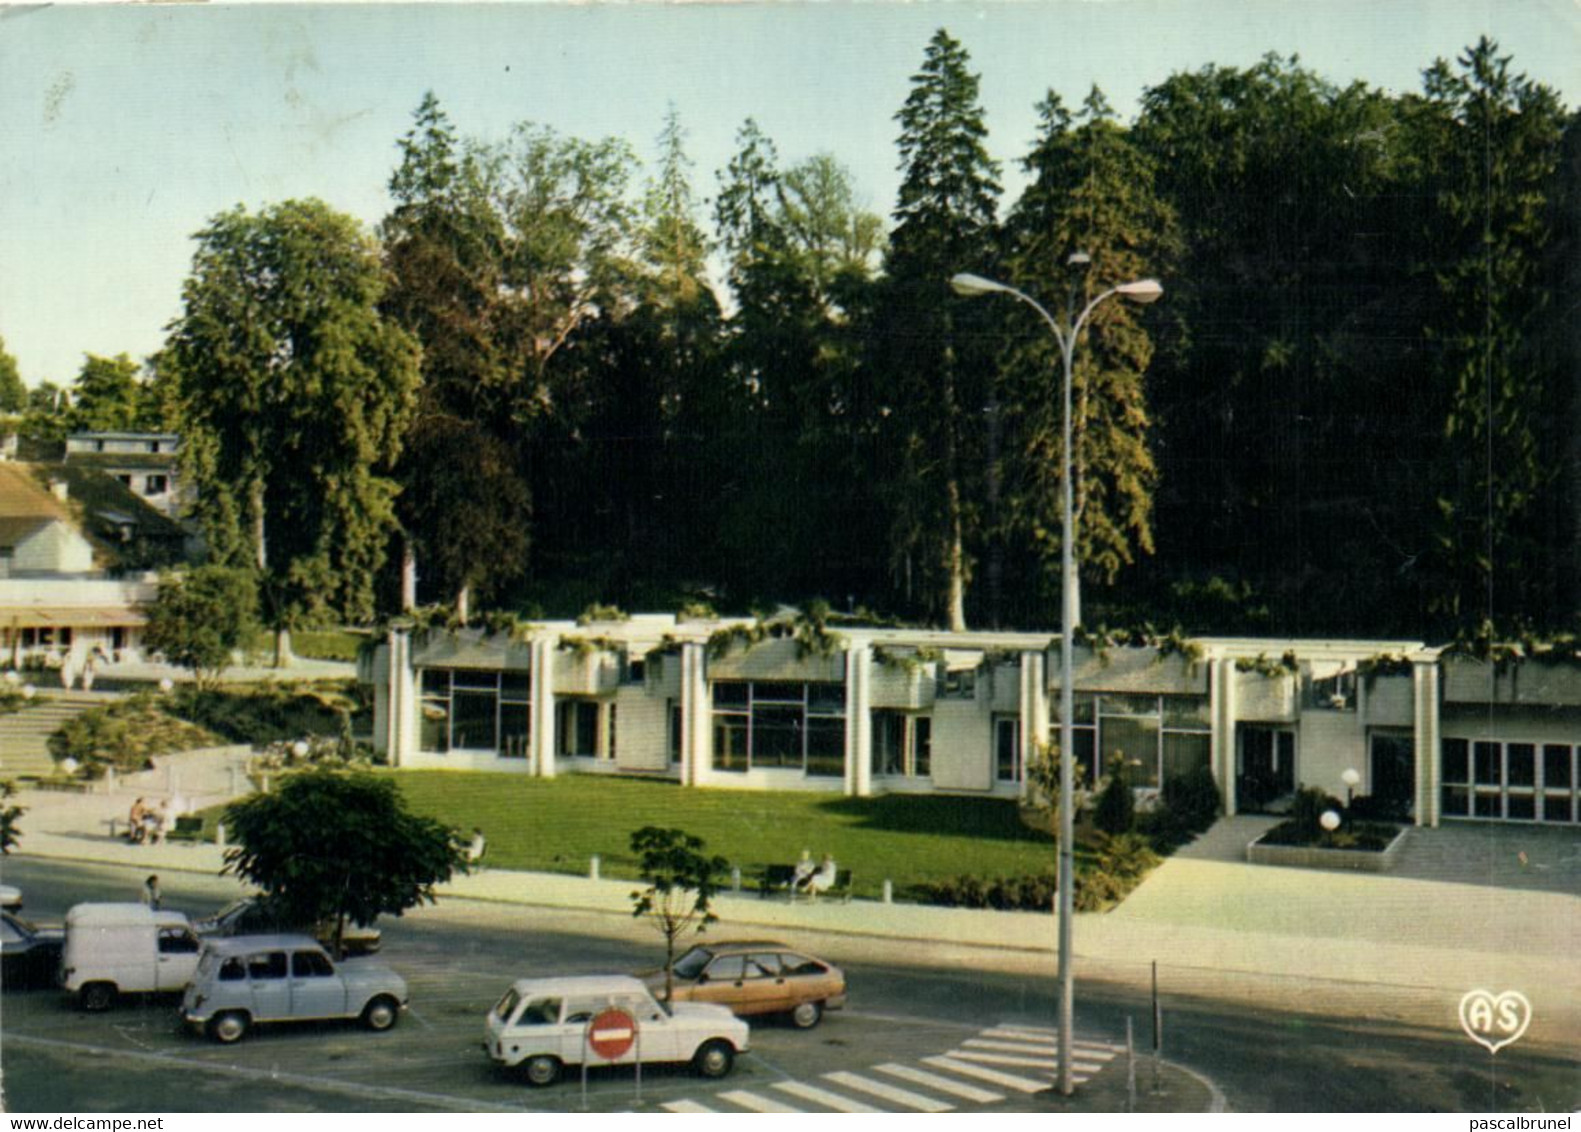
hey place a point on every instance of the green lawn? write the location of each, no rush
(556, 825)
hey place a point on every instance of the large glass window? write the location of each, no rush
(576, 728)
(474, 710)
(780, 725)
(1510, 781)
(1158, 737)
(1007, 749)
(902, 744)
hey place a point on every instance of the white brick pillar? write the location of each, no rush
(405, 705)
(541, 741)
(1221, 711)
(1424, 713)
(1034, 709)
(697, 712)
(859, 721)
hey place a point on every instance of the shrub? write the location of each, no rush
(1116, 810)
(1194, 797)
(125, 736)
(1306, 811)
(272, 713)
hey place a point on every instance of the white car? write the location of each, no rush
(543, 1024)
(243, 980)
(10, 898)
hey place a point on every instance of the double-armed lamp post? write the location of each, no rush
(1141, 291)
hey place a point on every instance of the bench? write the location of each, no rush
(775, 878)
(188, 829)
(778, 878)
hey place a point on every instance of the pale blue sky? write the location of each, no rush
(123, 128)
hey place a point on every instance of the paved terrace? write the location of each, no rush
(1469, 906)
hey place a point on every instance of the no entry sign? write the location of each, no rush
(611, 1033)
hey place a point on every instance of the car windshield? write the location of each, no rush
(507, 1005)
(690, 965)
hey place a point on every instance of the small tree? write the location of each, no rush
(1116, 811)
(200, 619)
(9, 816)
(681, 884)
(329, 845)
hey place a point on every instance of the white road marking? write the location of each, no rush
(823, 1097)
(1050, 1064)
(686, 1106)
(888, 1092)
(943, 1084)
(992, 1076)
(754, 1102)
(329, 1084)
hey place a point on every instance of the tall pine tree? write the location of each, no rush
(930, 352)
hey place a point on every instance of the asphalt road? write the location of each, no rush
(910, 1002)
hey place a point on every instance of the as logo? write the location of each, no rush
(1494, 1021)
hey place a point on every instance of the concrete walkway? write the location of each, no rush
(1404, 945)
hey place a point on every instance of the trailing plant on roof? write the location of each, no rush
(596, 613)
(1383, 664)
(1286, 665)
(584, 647)
(906, 659)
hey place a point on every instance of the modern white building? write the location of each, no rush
(861, 711)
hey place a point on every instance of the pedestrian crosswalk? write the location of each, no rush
(981, 1070)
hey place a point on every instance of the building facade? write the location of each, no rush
(1429, 736)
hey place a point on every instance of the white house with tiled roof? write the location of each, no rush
(58, 604)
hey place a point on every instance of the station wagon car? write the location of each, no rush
(757, 977)
(244, 980)
(543, 1024)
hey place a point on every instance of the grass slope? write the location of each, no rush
(556, 825)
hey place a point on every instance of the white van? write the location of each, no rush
(114, 949)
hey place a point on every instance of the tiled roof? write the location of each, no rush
(23, 497)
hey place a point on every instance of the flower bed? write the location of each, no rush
(1367, 847)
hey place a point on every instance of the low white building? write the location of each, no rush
(863, 711)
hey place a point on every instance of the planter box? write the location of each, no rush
(902, 688)
(594, 673)
(1265, 699)
(1313, 857)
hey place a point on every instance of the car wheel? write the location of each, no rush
(806, 1015)
(715, 1059)
(382, 1013)
(229, 1028)
(98, 996)
(543, 1069)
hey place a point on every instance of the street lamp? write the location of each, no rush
(1141, 291)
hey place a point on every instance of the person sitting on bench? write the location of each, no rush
(821, 878)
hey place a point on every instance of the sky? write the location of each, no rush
(124, 128)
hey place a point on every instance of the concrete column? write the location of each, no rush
(1034, 708)
(541, 741)
(1221, 710)
(405, 704)
(1424, 711)
(696, 716)
(859, 721)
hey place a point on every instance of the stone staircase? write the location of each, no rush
(24, 735)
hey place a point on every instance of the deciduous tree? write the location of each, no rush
(293, 395)
(325, 845)
(201, 617)
(682, 882)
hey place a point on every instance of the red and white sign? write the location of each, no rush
(611, 1033)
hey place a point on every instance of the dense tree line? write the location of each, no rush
(1356, 410)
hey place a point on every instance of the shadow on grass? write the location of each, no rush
(995, 819)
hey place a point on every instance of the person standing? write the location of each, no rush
(151, 895)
